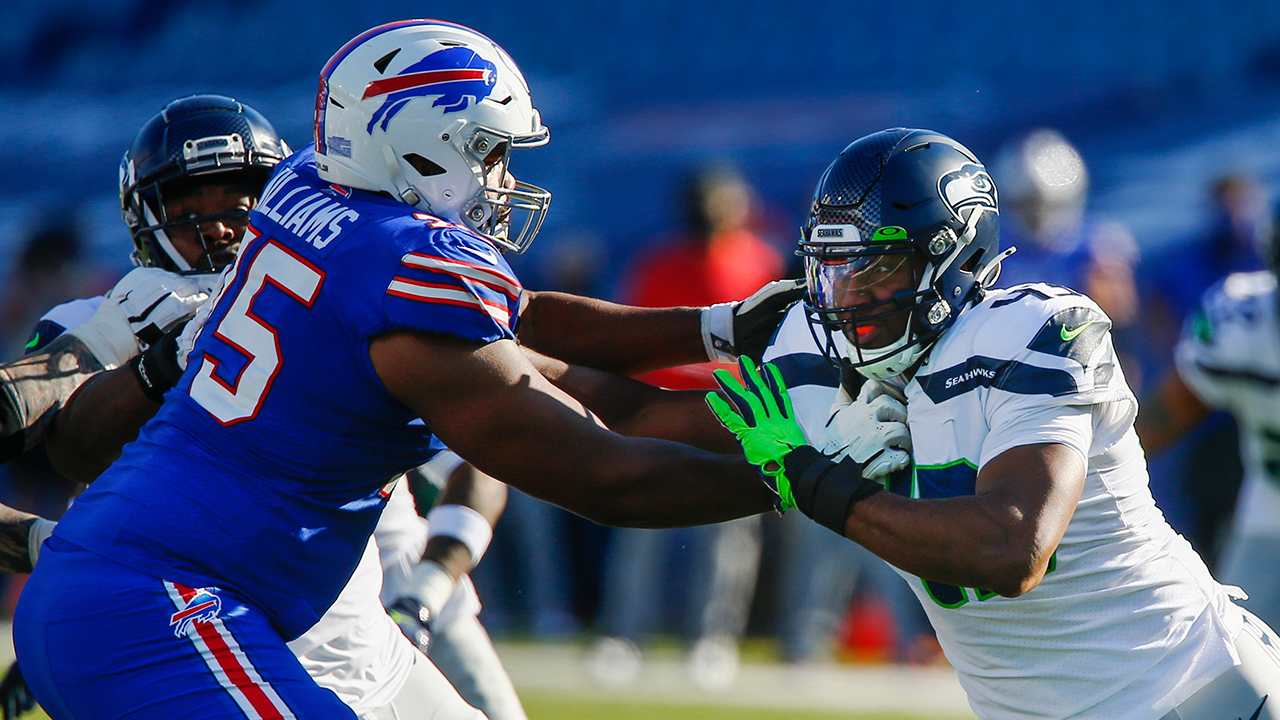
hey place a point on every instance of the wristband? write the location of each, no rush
(825, 490)
(156, 369)
(717, 332)
(149, 378)
(463, 524)
(36, 535)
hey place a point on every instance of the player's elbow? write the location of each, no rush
(1017, 571)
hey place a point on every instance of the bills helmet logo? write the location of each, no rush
(967, 190)
(458, 76)
(203, 607)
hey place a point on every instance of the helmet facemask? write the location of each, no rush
(489, 212)
(157, 227)
(878, 302)
(193, 143)
(902, 236)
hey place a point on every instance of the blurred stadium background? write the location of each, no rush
(1160, 96)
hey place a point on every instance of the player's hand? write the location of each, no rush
(730, 330)
(414, 620)
(871, 429)
(425, 595)
(764, 422)
(15, 697)
(137, 312)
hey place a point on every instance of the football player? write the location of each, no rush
(981, 441)
(368, 312)
(1025, 525)
(1229, 358)
(187, 184)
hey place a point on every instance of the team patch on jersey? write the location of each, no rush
(202, 607)
(1008, 375)
(457, 76)
(1073, 333)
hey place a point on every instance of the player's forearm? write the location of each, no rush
(1169, 414)
(33, 388)
(618, 338)
(15, 528)
(97, 421)
(633, 408)
(466, 487)
(633, 482)
(959, 541)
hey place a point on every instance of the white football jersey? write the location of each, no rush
(1128, 621)
(1229, 356)
(356, 649)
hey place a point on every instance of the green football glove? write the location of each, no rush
(764, 422)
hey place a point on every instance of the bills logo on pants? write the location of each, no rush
(197, 619)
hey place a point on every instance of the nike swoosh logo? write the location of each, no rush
(1070, 334)
(33, 342)
(487, 254)
(1258, 713)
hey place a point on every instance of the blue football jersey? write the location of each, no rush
(264, 471)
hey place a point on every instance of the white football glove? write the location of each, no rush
(871, 429)
(424, 597)
(138, 311)
(744, 328)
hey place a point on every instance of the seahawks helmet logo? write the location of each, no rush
(968, 189)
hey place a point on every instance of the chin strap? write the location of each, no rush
(404, 191)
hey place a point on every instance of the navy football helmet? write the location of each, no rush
(902, 236)
(195, 139)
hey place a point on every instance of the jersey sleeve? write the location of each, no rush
(60, 319)
(811, 380)
(454, 284)
(1059, 380)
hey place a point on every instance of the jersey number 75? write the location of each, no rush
(241, 398)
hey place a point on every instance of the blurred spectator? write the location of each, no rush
(719, 258)
(1173, 285)
(821, 574)
(1044, 185)
(48, 271)
(1238, 226)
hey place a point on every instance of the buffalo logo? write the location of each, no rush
(968, 189)
(458, 76)
(203, 607)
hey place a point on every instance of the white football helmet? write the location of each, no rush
(428, 111)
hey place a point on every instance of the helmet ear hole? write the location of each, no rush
(425, 167)
(974, 261)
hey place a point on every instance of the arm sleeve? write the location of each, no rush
(35, 387)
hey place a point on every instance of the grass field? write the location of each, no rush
(550, 706)
(555, 706)
(553, 686)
